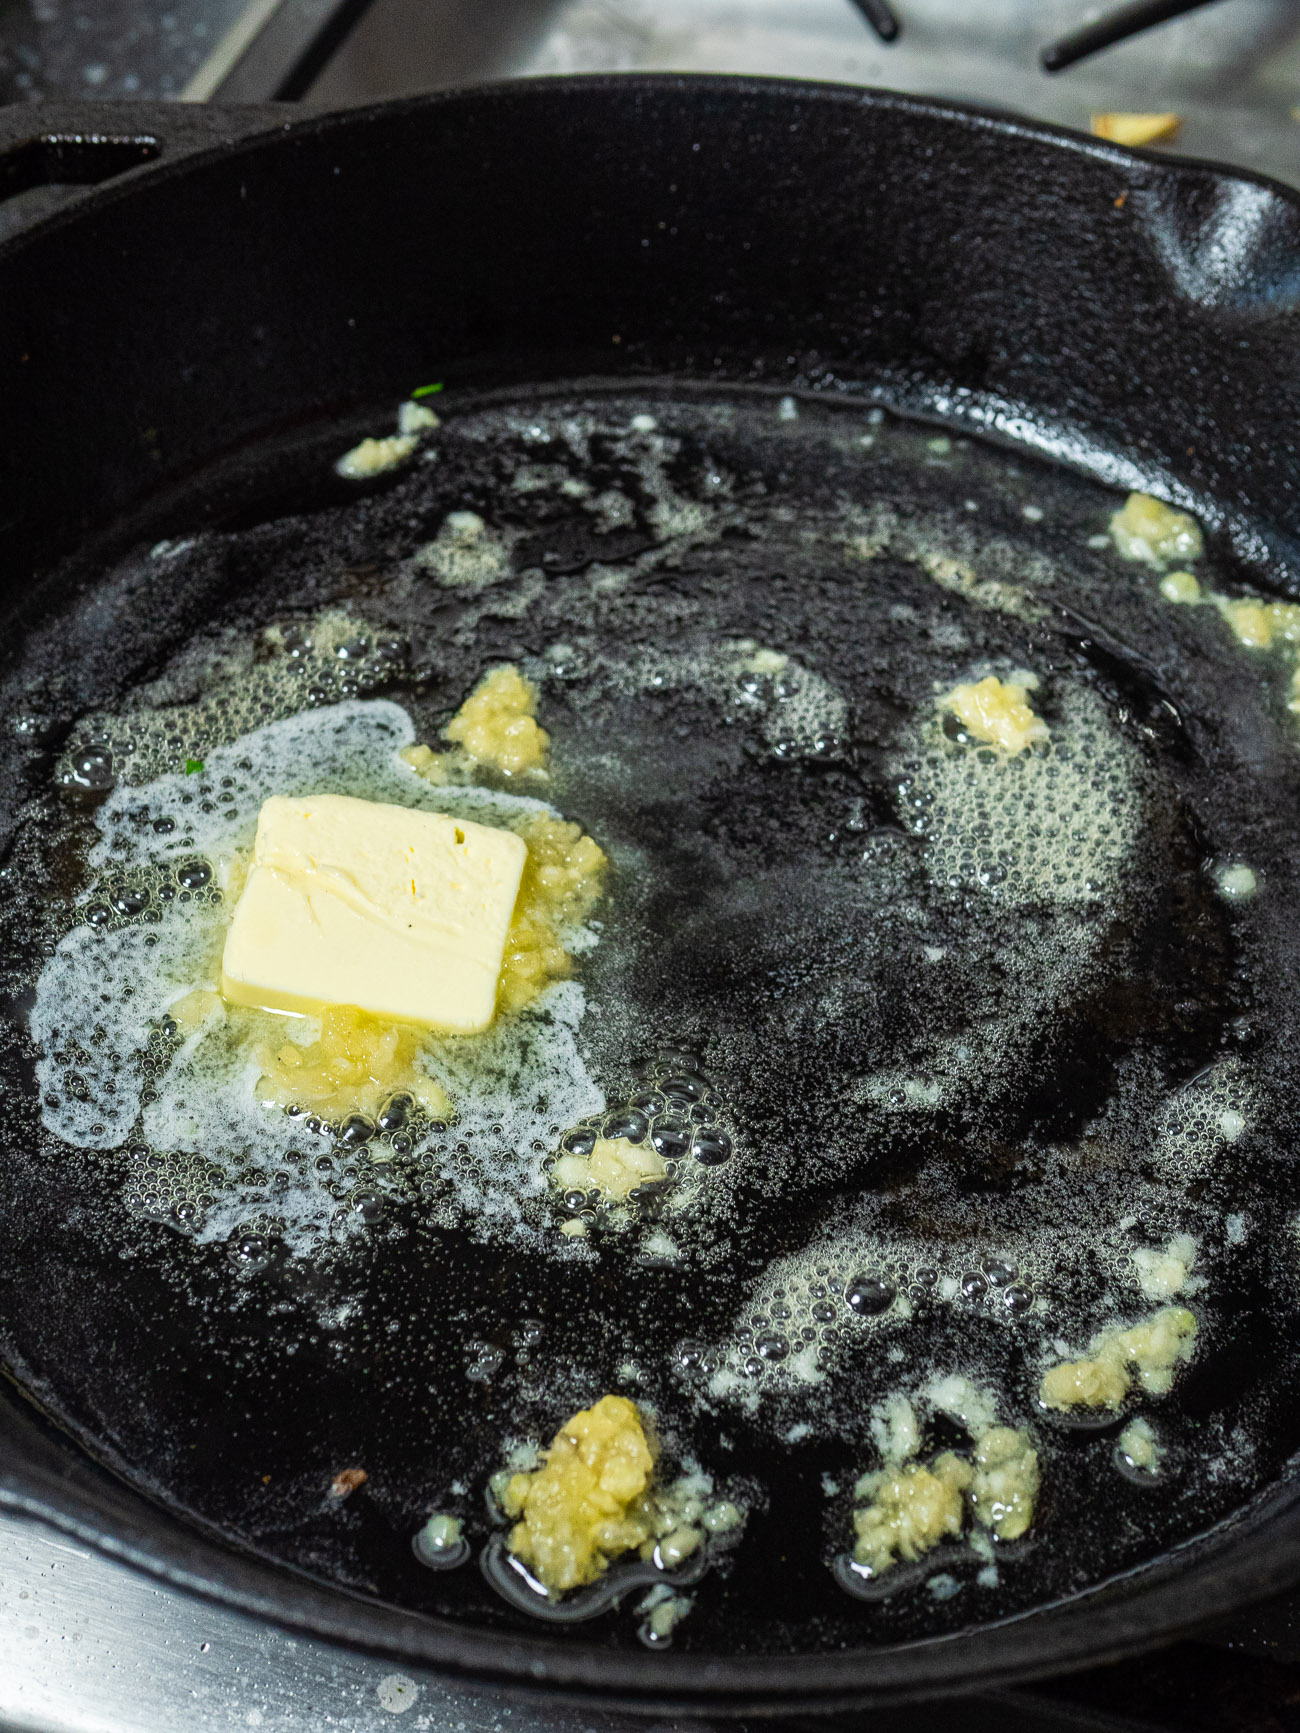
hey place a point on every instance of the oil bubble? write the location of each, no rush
(626, 1123)
(682, 1091)
(91, 768)
(670, 1138)
(868, 1296)
(395, 1112)
(711, 1147)
(369, 1206)
(693, 1356)
(676, 1059)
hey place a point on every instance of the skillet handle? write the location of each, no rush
(48, 149)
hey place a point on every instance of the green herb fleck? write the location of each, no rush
(193, 766)
(426, 390)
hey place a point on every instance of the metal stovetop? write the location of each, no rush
(86, 1642)
(1232, 71)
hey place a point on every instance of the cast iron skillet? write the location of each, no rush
(1133, 318)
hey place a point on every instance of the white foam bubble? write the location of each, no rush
(971, 1405)
(102, 997)
(1056, 823)
(514, 1088)
(895, 1428)
(96, 1002)
(1196, 1123)
(798, 712)
(241, 684)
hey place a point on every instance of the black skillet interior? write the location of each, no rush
(1118, 314)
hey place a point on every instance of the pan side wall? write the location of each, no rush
(1135, 317)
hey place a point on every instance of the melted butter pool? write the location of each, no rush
(108, 1072)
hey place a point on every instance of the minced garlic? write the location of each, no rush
(1138, 1447)
(1164, 1272)
(615, 1168)
(997, 712)
(1005, 1484)
(563, 879)
(1147, 529)
(593, 1497)
(588, 1502)
(1182, 587)
(1100, 1383)
(1260, 625)
(1135, 130)
(374, 456)
(357, 1063)
(912, 1508)
(495, 729)
(1254, 623)
(1148, 1353)
(416, 418)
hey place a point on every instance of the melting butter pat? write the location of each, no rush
(402, 914)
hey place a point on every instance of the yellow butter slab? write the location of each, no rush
(355, 902)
